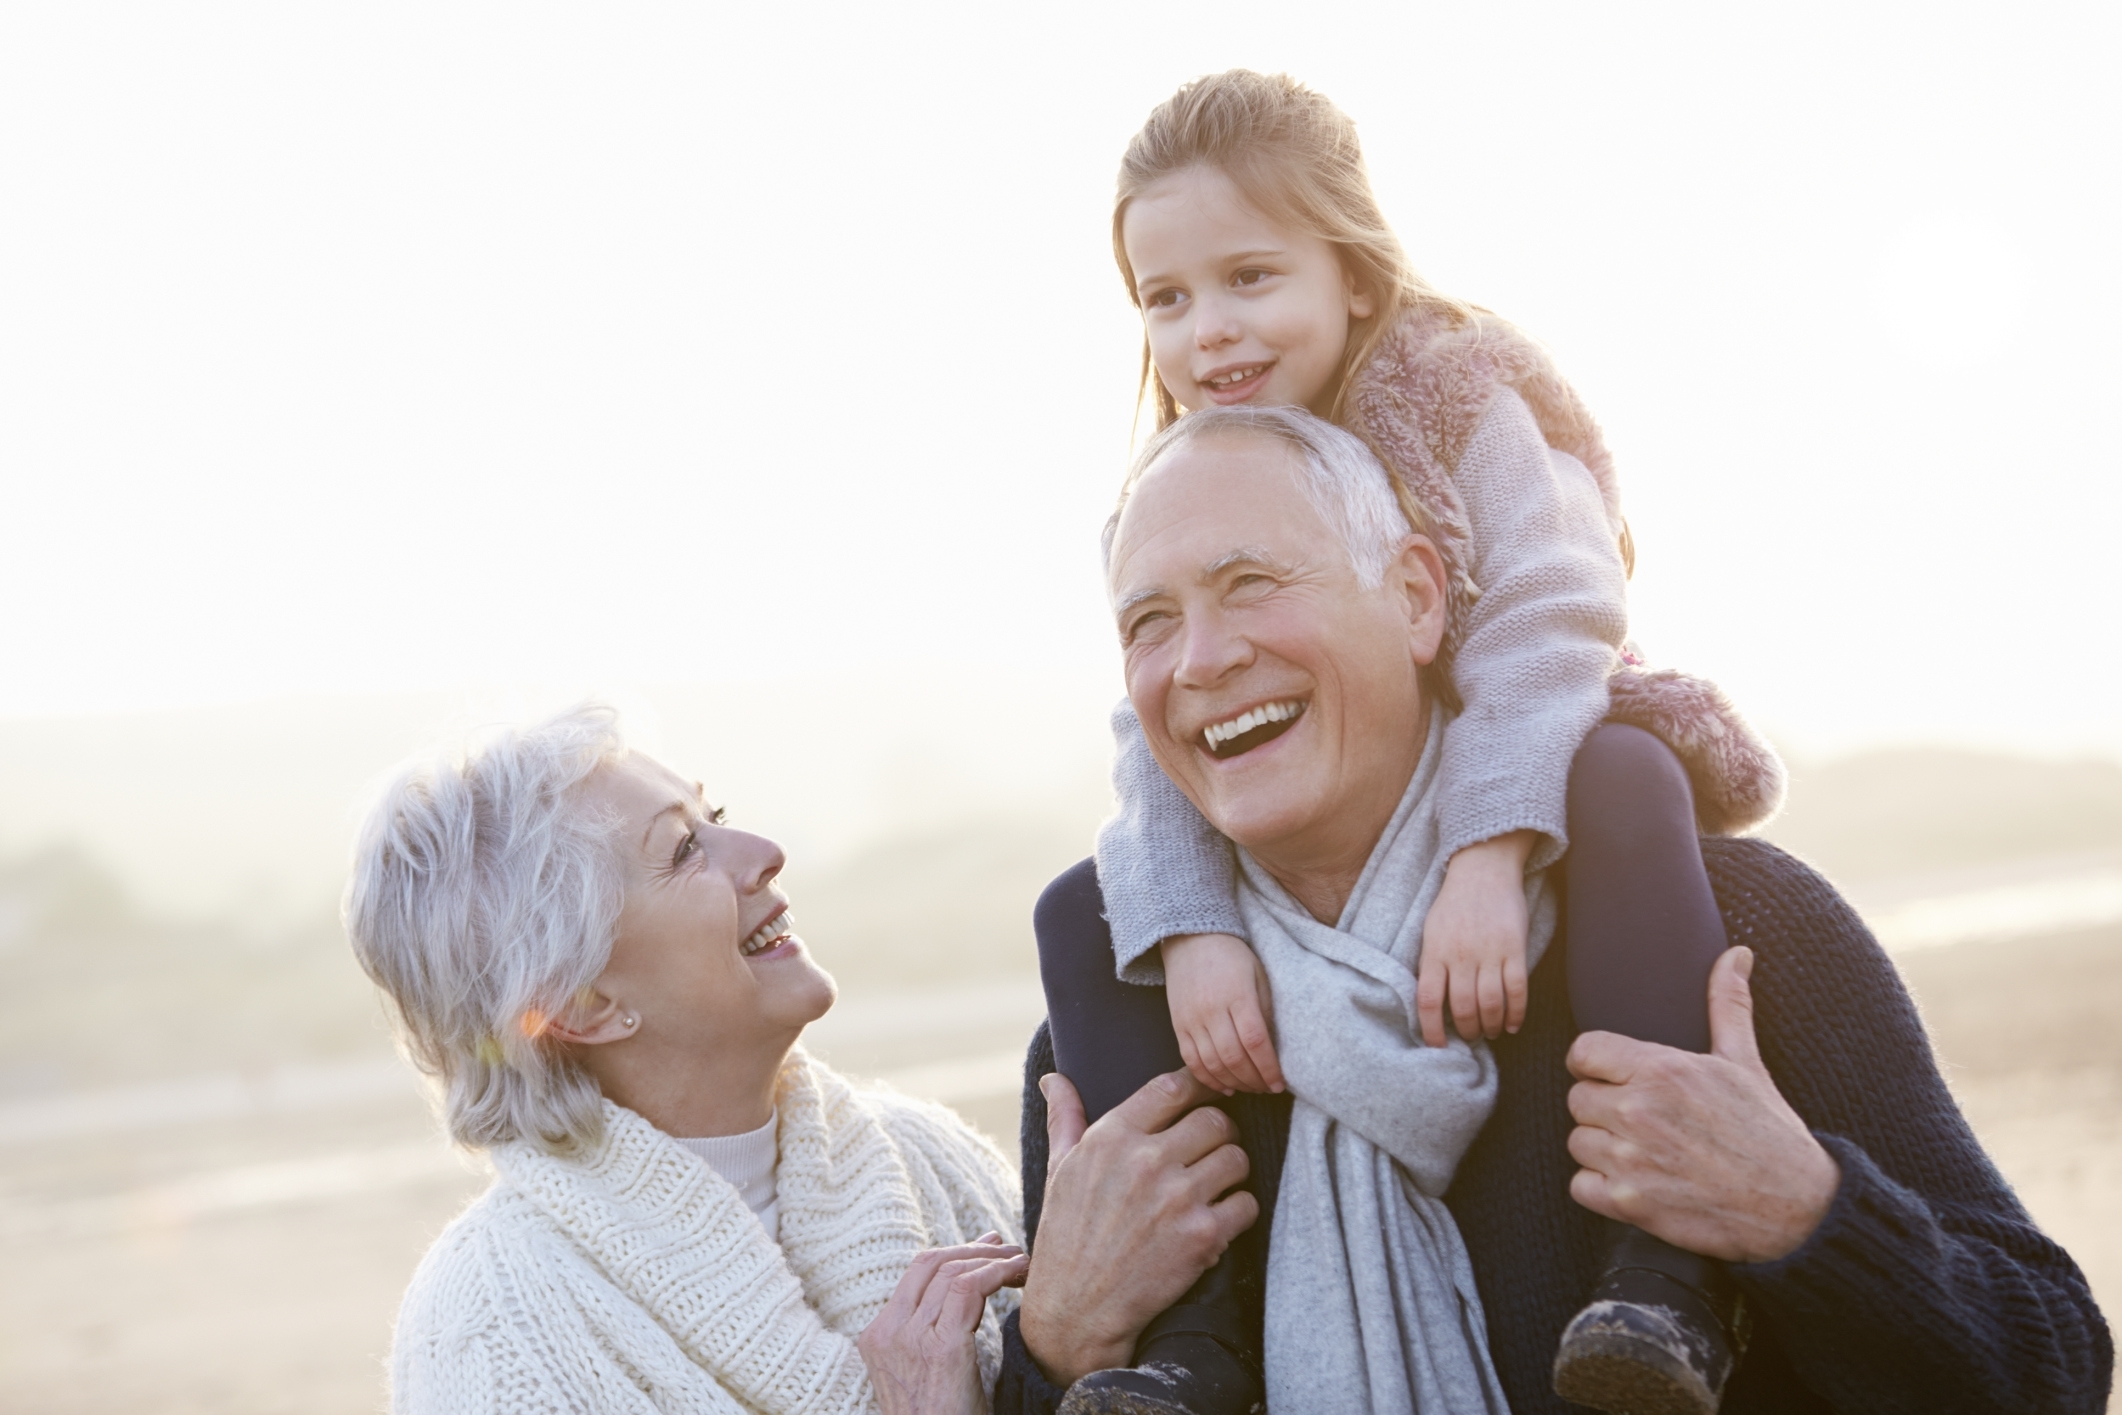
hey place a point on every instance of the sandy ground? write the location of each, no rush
(250, 1264)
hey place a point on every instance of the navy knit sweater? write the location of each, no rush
(1926, 1289)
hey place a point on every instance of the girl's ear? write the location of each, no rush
(1360, 303)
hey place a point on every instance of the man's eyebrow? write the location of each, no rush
(1258, 555)
(1244, 555)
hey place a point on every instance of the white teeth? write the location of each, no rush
(1246, 721)
(1239, 377)
(776, 927)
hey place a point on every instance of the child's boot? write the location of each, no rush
(1196, 1359)
(1660, 1336)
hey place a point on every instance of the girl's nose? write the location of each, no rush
(1215, 324)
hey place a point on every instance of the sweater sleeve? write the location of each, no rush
(1538, 644)
(1927, 1287)
(1162, 869)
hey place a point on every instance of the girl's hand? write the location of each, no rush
(1220, 1009)
(919, 1349)
(1473, 942)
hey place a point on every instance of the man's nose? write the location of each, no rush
(1209, 651)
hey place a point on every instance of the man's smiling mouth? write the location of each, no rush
(1255, 727)
(768, 934)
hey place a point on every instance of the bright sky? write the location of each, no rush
(393, 347)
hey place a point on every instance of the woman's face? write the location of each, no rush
(705, 957)
(1238, 308)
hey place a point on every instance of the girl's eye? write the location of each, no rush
(1164, 299)
(1248, 276)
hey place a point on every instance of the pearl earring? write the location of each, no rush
(631, 1020)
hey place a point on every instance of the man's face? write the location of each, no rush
(1278, 693)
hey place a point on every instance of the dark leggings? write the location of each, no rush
(1643, 926)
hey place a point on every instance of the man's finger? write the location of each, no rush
(1731, 1009)
(1588, 1188)
(1160, 1102)
(1064, 1118)
(1595, 1103)
(1514, 994)
(1605, 1056)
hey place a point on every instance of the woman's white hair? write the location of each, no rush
(1341, 477)
(484, 899)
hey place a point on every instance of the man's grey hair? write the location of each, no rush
(1340, 476)
(484, 900)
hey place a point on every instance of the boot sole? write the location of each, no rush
(1624, 1364)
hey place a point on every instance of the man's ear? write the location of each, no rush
(593, 1020)
(1419, 574)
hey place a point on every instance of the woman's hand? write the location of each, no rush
(919, 1350)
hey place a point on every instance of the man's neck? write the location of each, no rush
(1320, 867)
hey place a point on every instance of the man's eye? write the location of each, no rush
(1146, 623)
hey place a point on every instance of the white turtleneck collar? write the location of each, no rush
(747, 1161)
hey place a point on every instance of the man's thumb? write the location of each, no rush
(1731, 1008)
(1064, 1117)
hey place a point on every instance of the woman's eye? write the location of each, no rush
(688, 846)
(718, 816)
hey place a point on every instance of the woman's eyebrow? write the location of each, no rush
(674, 808)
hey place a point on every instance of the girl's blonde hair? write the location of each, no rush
(1294, 156)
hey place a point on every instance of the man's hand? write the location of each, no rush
(1219, 1000)
(919, 1349)
(1701, 1151)
(1137, 1207)
(1473, 942)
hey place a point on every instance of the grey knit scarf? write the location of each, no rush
(1370, 1295)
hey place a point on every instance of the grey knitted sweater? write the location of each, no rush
(1534, 652)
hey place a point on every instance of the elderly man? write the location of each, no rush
(1814, 1150)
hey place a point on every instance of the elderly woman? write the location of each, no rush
(689, 1213)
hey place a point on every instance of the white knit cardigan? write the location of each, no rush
(632, 1277)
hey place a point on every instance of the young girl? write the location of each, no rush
(1249, 238)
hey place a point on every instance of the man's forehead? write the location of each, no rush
(1210, 506)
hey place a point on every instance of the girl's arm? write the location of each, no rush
(1162, 869)
(1538, 644)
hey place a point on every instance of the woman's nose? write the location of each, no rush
(759, 860)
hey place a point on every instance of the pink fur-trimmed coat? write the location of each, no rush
(1418, 401)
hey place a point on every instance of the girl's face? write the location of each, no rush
(1239, 309)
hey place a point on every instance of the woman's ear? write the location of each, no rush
(1419, 573)
(593, 1020)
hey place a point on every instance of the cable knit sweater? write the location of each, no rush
(1927, 1289)
(631, 1277)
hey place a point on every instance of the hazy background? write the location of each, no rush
(371, 372)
